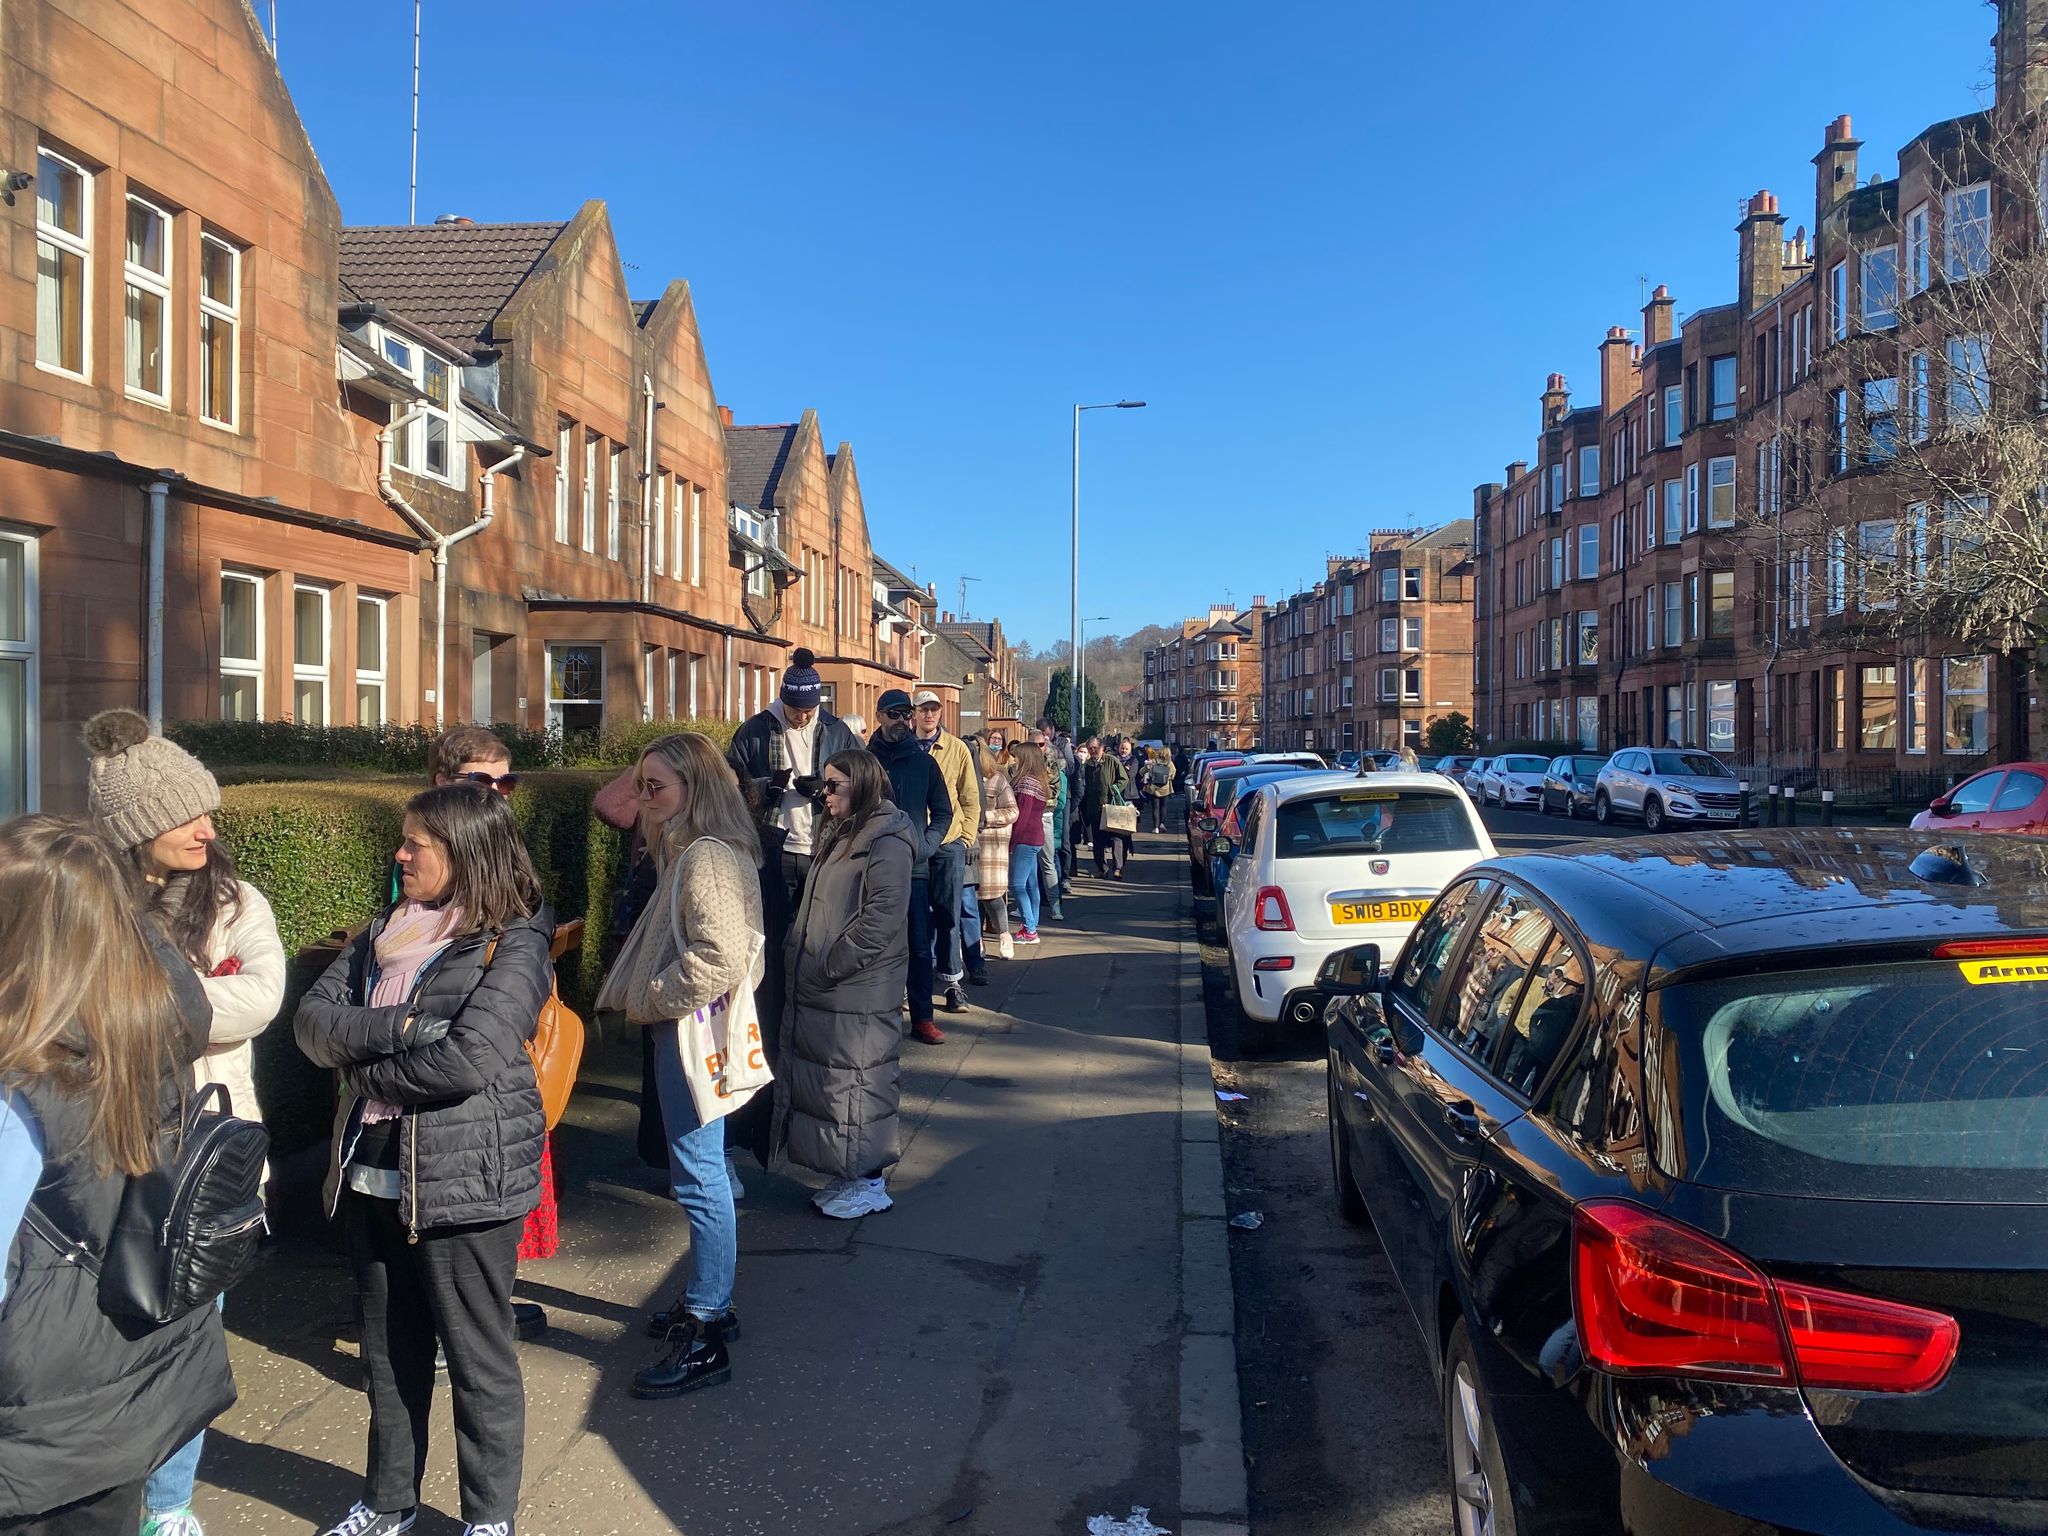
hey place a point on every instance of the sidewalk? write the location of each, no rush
(1001, 1353)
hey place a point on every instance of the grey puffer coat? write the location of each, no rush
(849, 958)
(469, 1147)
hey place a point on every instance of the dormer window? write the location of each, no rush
(427, 446)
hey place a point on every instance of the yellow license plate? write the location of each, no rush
(1377, 911)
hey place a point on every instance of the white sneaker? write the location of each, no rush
(831, 1192)
(1006, 947)
(861, 1197)
(732, 1177)
(180, 1522)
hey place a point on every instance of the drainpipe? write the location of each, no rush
(728, 677)
(647, 408)
(441, 542)
(159, 494)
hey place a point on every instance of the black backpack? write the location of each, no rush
(188, 1229)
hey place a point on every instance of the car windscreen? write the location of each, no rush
(1922, 1080)
(1688, 765)
(1349, 821)
(1589, 767)
(1227, 786)
(1524, 764)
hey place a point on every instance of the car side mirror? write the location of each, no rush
(1222, 847)
(1941, 805)
(1353, 972)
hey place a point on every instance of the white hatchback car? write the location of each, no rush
(1327, 861)
(1516, 779)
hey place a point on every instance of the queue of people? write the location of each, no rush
(805, 892)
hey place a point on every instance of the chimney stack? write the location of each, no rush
(725, 414)
(1835, 166)
(2022, 53)
(1761, 274)
(1556, 400)
(1657, 317)
(1617, 371)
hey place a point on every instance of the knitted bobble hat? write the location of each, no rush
(139, 786)
(802, 687)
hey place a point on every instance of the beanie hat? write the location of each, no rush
(802, 688)
(139, 786)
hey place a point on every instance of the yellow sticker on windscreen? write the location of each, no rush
(1370, 794)
(1987, 973)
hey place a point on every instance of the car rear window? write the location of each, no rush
(1524, 764)
(1372, 821)
(1925, 1080)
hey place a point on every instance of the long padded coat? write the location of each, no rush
(849, 958)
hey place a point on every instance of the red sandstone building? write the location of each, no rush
(255, 465)
(1202, 686)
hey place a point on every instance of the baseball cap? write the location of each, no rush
(925, 696)
(892, 698)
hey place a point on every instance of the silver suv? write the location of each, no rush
(1665, 784)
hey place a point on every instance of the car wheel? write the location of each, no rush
(1571, 806)
(1350, 1204)
(1543, 803)
(1603, 809)
(1653, 814)
(1482, 1503)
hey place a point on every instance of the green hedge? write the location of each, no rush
(322, 853)
(235, 746)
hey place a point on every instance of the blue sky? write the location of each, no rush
(1336, 247)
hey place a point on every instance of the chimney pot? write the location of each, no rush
(725, 414)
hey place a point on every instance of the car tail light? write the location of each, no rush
(1989, 949)
(1273, 963)
(1656, 1298)
(1269, 910)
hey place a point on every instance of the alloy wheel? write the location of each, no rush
(1653, 815)
(1603, 809)
(1471, 1489)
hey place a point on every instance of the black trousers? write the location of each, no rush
(1111, 849)
(115, 1512)
(454, 1284)
(796, 869)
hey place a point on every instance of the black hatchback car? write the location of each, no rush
(1715, 1174)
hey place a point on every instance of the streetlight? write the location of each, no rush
(1080, 671)
(1074, 665)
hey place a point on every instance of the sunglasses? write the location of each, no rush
(835, 786)
(504, 784)
(897, 714)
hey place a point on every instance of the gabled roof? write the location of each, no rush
(755, 461)
(893, 578)
(451, 278)
(1458, 531)
(979, 634)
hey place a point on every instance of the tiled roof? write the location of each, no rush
(1456, 532)
(983, 635)
(451, 278)
(755, 458)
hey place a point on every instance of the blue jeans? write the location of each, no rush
(970, 928)
(1024, 882)
(169, 1488)
(698, 1181)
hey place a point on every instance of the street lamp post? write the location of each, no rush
(1080, 678)
(1074, 609)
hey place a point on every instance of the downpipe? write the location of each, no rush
(159, 495)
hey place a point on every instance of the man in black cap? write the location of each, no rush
(779, 756)
(919, 791)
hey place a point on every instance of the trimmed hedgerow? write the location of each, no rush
(322, 853)
(241, 745)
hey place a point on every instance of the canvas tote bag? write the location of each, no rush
(720, 1044)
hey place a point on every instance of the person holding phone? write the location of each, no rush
(777, 755)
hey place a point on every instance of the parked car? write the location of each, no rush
(1379, 760)
(1516, 779)
(1325, 862)
(2012, 797)
(1229, 834)
(1569, 783)
(1206, 813)
(1474, 776)
(1453, 765)
(1346, 760)
(1665, 784)
(1748, 1237)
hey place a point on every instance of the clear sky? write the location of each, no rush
(1335, 246)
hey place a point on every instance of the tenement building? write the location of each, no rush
(1379, 648)
(1202, 686)
(1776, 530)
(255, 465)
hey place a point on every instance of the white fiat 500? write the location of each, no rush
(1327, 861)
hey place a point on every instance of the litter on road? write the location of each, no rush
(1248, 1221)
(1138, 1524)
(1225, 1096)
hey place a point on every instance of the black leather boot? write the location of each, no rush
(727, 1327)
(696, 1358)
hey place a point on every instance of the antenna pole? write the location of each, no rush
(412, 204)
(273, 28)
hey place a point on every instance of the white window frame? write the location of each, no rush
(1653, 619)
(1674, 511)
(1870, 318)
(367, 677)
(1835, 575)
(1390, 636)
(1959, 261)
(409, 452)
(650, 661)
(1588, 542)
(551, 706)
(151, 285)
(1953, 350)
(223, 314)
(657, 525)
(64, 242)
(696, 536)
(590, 462)
(245, 666)
(755, 527)
(1390, 584)
(1674, 616)
(614, 474)
(1721, 478)
(1919, 396)
(27, 651)
(1838, 301)
(321, 672)
(1411, 634)
(1674, 415)
(1982, 714)
(1916, 269)
(1692, 498)
(564, 447)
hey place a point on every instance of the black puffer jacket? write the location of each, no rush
(469, 1149)
(86, 1403)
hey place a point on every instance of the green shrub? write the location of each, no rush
(231, 745)
(322, 853)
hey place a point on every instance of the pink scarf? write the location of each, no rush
(412, 936)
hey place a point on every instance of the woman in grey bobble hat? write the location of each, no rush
(157, 801)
